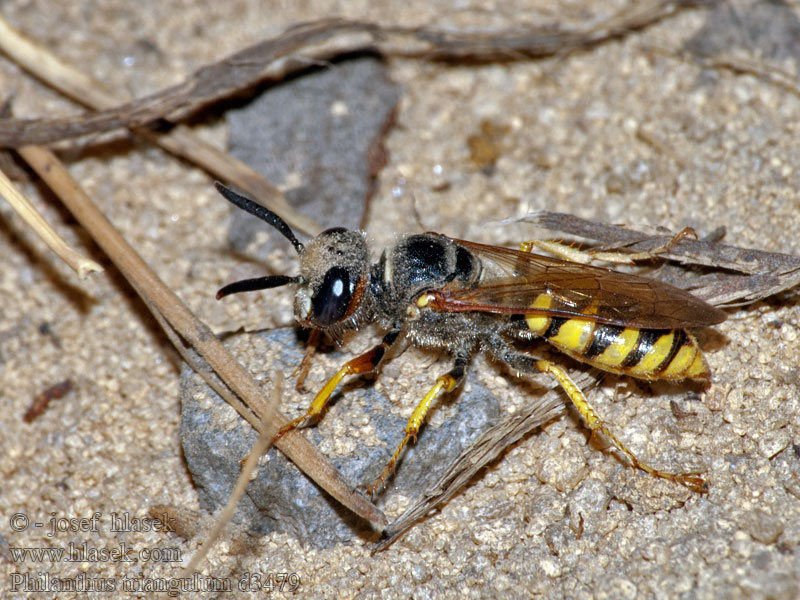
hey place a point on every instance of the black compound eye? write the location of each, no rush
(332, 298)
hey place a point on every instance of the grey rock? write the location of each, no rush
(281, 498)
(769, 29)
(318, 137)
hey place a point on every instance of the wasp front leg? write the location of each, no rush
(365, 363)
(301, 372)
(445, 383)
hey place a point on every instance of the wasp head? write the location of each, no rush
(334, 269)
(333, 277)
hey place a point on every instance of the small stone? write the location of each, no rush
(764, 527)
(774, 442)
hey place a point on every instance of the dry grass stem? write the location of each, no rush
(180, 140)
(168, 306)
(80, 264)
(316, 41)
(262, 444)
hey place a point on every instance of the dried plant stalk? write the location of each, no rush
(169, 308)
(180, 140)
(260, 447)
(80, 264)
(309, 43)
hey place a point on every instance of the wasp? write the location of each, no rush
(463, 297)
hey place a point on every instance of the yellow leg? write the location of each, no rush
(558, 249)
(693, 481)
(362, 364)
(445, 383)
(586, 256)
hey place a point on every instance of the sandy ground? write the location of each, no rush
(621, 133)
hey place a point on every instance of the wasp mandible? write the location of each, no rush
(462, 297)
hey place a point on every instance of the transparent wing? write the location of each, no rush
(576, 290)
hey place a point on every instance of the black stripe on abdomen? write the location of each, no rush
(555, 325)
(679, 340)
(602, 337)
(644, 344)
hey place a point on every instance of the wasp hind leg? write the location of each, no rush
(525, 363)
(365, 363)
(693, 481)
(584, 257)
(445, 383)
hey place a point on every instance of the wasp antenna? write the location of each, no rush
(261, 212)
(259, 283)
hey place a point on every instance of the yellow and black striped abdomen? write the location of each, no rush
(642, 353)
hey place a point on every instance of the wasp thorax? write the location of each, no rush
(334, 268)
